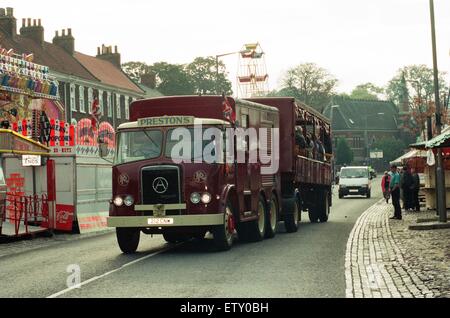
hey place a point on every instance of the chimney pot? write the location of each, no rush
(98, 51)
(24, 21)
(116, 50)
(34, 22)
(69, 30)
(10, 12)
(29, 22)
(56, 34)
(2, 12)
(39, 22)
(64, 32)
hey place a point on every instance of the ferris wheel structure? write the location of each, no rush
(252, 79)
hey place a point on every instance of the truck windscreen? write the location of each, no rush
(139, 145)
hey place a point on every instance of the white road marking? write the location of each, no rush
(93, 279)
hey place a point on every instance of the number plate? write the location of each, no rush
(160, 221)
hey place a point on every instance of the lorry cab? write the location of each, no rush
(355, 181)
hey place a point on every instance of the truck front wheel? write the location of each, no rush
(224, 234)
(128, 239)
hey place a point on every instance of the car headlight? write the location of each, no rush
(206, 198)
(118, 201)
(129, 201)
(196, 198)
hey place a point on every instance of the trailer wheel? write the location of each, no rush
(254, 231)
(224, 234)
(128, 239)
(313, 215)
(291, 220)
(324, 211)
(272, 218)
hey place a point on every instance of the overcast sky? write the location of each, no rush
(358, 41)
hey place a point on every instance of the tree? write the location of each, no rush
(202, 73)
(367, 91)
(310, 84)
(136, 69)
(344, 155)
(172, 79)
(414, 81)
(413, 90)
(392, 148)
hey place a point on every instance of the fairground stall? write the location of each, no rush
(431, 148)
(26, 91)
(31, 111)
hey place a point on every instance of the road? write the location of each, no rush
(309, 263)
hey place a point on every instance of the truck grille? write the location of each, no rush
(161, 185)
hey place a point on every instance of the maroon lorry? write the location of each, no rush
(306, 179)
(155, 194)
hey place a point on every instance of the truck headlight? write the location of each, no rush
(118, 201)
(195, 198)
(206, 198)
(129, 201)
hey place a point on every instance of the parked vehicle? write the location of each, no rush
(355, 181)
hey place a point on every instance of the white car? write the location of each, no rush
(355, 181)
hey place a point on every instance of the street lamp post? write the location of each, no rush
(217, 68)
(440, 176)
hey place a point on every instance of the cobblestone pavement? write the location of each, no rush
(385, 259)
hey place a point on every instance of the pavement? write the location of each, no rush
(386, 259)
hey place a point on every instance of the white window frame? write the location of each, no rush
(109, 105)
(90, 99)
(118, 110)
(72, 101)
(82, 101)
(127, 108)
(100, 101)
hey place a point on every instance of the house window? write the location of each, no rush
(100, 101)
(109, 105)
(73, 105)
(118, 114)
(90, 99)
(127, 108)
(82, 106)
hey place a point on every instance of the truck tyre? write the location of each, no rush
(291, 211)
(313, 215)
(224, 234)
(369, 194)
(128, 239)
(174, 238)
(341, 196)
(272, 218)
(254, 231)
(324, 208)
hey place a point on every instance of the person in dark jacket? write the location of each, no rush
(415, 188)
(385, 182)
(407, 184)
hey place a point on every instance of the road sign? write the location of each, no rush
(376, 155)
(31, 161)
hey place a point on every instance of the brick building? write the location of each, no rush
(362, 123)
(80, 76)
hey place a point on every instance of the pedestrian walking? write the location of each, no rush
(385, 182)
(415, 190)
(394, 187)
(407, 187)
